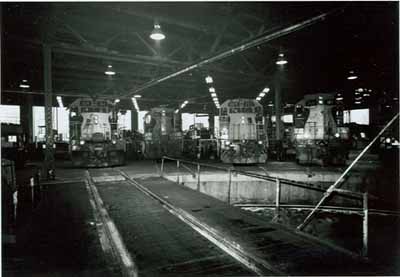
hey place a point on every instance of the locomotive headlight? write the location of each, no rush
(82, 142)
(337, 135)
(387, 140)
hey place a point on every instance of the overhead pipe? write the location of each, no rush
(252, 43)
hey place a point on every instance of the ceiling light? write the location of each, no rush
(109, 71)
(177, 111)
(185, 102)
(116, 101)
(352, 76)
(209, 80)
(135, 104)
(262, 94)
(157, 34)
(215, 98)
(258, 98)
(281, 60)
(266, 90)
(24, 84)
(137, 96)
(357, 102)
(213, 94)
(211, 89)
(339, 98)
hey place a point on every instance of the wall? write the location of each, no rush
(251, 190)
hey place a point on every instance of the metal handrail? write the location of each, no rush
(339, 181)
(353, 195)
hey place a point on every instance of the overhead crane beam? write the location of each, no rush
(266, 37)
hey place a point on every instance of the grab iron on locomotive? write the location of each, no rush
(242, 132)
(319, 134)
(95, 139)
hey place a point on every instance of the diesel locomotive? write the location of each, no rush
(162, 133)
(95, 139)
(319, 135)
(242, 132)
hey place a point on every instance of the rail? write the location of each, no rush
(362, 197)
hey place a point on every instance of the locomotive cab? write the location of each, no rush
(242, 132)
(95, 138)
(319, 134)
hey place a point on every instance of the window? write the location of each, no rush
(60, 123)
(359, 116)
(10, 114)
(125, 120)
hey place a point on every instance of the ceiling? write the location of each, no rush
(86, 37)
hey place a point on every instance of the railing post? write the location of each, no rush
(32, 185)
(15, 202)
(198, 177)
(177, 175)
(277, 196)
(162, 167)
(365, 225)
(229, 185)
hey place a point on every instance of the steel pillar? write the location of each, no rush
(48, 102)
(26, 116)
(278, 105)
(134, 120)
(211, 123)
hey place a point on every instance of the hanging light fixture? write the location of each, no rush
(24, 84)
(209, 79)
(352, 75)
(281, 60)
(157, 34)
(109, 71)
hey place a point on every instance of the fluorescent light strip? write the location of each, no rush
(60, 102)
(135, 103)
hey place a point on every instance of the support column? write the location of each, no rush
(211, 123)
(48, 102)
(278, 105)
(26, 116)
(134, 120)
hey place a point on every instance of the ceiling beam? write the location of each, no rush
(252, 43)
